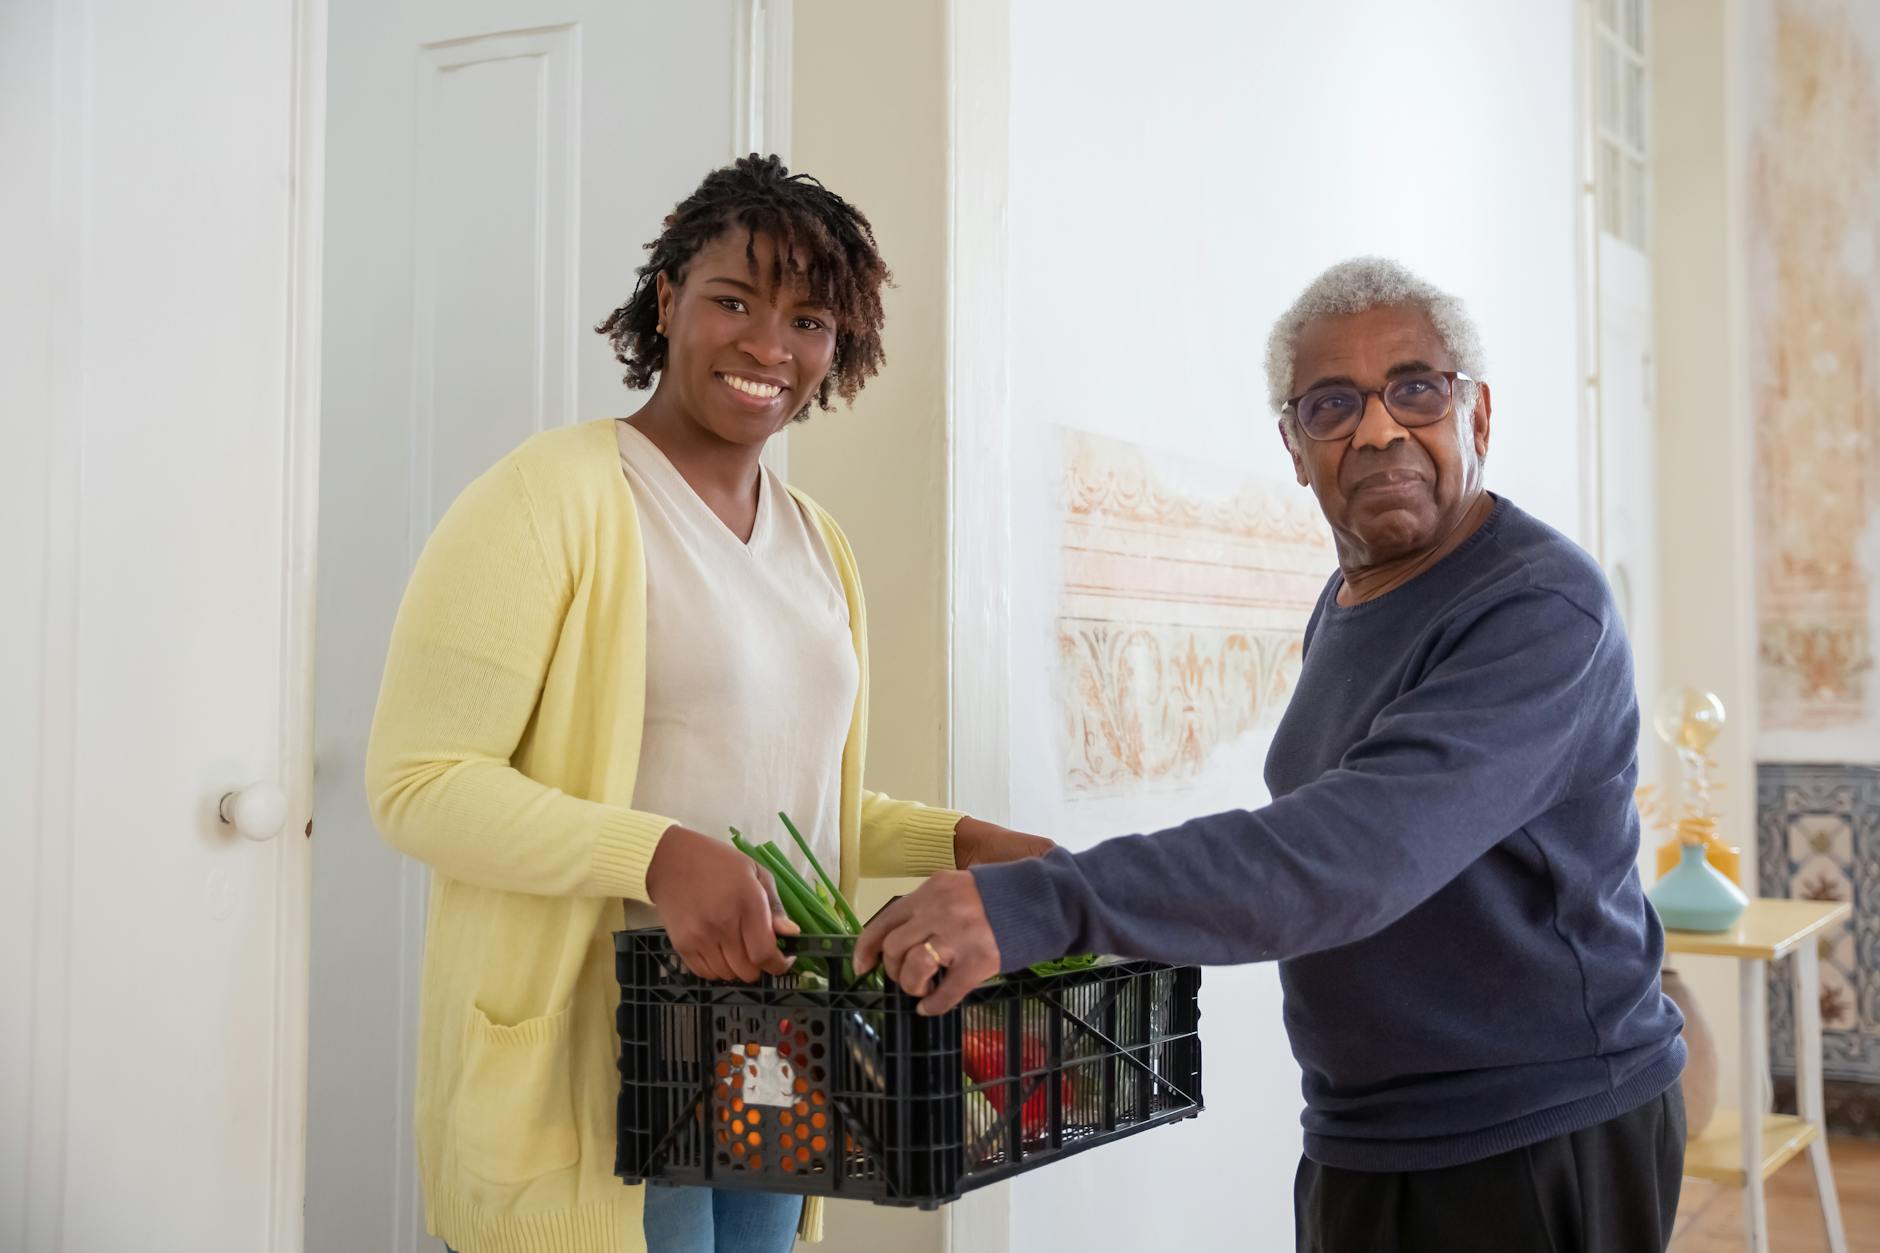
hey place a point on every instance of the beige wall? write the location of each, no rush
(869, 118)
(1704, 473)
(1704, 476)
(870, 121)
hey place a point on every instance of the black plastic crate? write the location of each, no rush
(826, 1086)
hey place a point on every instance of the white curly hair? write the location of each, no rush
(1366, 283)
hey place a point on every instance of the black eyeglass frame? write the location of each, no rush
(1451, 377)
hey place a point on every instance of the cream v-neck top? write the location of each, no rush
(751, 674)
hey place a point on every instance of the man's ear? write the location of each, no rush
(1484, 404)
(1289, 436)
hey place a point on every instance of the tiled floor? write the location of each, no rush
(1710, 1217)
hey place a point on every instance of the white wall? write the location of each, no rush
(1173, 183)
(27, 497)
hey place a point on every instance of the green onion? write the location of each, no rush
(826, 920)
(848, 915)
(800, 911)
(818, 910)
(791, 905)
(798, 901)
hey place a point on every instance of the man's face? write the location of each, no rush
(1389, 491)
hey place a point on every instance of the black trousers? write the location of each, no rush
(1608, 1189)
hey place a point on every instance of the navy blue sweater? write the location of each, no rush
(1446, 873)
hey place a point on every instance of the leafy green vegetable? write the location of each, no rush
(1066, 965)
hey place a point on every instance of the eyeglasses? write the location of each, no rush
(1335, 410)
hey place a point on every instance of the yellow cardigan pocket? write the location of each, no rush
(515, 1105)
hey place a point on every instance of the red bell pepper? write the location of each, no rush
(985, 1057)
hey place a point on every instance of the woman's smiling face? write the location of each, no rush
(744, 354)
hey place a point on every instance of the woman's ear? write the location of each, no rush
(668, 294)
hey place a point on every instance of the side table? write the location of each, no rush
(1744, 1147)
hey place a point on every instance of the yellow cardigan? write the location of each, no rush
(503, 755)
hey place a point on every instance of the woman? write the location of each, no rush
(620, 641)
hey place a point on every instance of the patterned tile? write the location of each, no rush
(1818, 838)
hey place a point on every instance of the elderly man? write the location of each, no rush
(1446, 872)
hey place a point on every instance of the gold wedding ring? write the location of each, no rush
(933, 952)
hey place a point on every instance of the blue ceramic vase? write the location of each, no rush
(1695, 897)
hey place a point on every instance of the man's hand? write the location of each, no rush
(977, 843)
(940, 925)
(719, 908)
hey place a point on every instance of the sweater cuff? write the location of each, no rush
(925, 843)
(1025, 909)
(623, 850)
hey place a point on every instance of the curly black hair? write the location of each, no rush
(821, 239)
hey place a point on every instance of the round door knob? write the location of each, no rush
(258, 811)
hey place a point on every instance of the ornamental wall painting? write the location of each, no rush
(1814, 306)
(1185, 590)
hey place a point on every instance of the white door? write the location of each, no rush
(1628, 467)
(1624, 473)
(158, 228)
(494, 170)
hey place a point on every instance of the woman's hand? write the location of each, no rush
(719, 908)
(977, 843)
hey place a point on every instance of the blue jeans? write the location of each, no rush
(707, 1220)
(704, 1220)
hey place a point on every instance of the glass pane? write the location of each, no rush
(1633, 79)
(1635, 203)
(1606, 189)
(1634, 29)
(1609, 13)
(1606, 85)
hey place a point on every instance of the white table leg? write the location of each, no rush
(1754, 1029)
(1808, 1100)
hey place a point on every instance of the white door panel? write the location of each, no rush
(494, 170)
(1628, 468)
(168, 290)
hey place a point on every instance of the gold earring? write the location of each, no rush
(660, 329)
